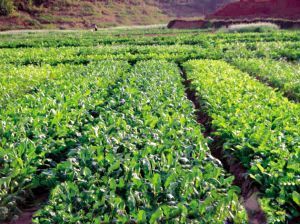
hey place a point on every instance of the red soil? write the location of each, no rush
(182, 24)
(250, 9)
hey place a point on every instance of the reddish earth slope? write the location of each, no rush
(184, 24)
(250, 9)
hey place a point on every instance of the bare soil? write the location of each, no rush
(33, 205)
(288, 9)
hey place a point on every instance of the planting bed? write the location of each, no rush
(124, 127)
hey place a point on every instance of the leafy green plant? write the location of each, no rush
(15, 81)
(119, 143)
(145, 161)
(281, 74)
(39, 128)
(258, 125)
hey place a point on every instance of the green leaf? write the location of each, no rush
(296, 197)
(141, 217)
(260, 168)
(156, 216)
(87, 171)
(156, 181)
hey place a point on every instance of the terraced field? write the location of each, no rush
(150, 126)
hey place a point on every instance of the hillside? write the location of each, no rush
(64, 14)
(250, 9)
(82, 14)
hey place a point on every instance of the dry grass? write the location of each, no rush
(251, 27)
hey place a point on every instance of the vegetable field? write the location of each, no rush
(150, 126)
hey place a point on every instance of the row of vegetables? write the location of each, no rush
(32, 129)
(179, 53)
(279, 74)
(87, 35)
(155, 37)
(18, 80)
(258, 126)
(113, 144)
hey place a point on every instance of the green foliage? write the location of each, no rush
(130, 152)
(15, 81)
(282, 75)
(149, 37)
(6, 7)
(259, 126)
(81, 50)
(119, 143)
(41, 125)
(140, 162)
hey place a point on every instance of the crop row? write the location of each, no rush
(178, 53)
(81, 37)
(38, 128)
(95, 39)
(279, 74)
(115, 146)
(118, 143)
(84, 55)
(276, 50)
(16, 81)
(153, 164)
(257, 125)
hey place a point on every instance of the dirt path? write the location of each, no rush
(32, 206)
